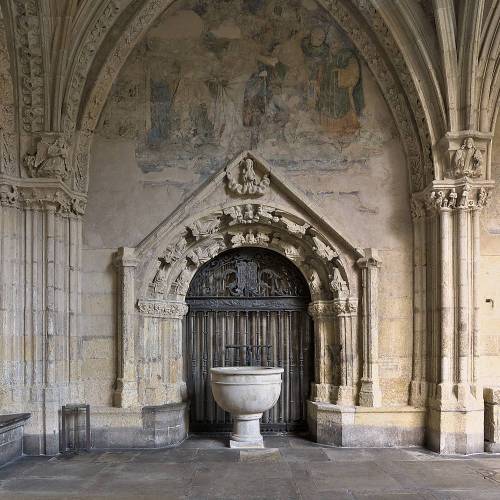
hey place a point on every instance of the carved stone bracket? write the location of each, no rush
(466, 154)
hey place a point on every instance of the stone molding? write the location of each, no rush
(28, 40)
(41, 194)
(160, 309)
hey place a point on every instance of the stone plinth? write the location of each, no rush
(362, 427)
(149, 427)
(11, 436)
(492, 419)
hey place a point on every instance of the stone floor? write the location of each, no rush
(290, 467)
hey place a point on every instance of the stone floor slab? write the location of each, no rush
(207, 469)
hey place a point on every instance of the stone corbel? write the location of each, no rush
(126, 393)
(466, 153)
(370, 394)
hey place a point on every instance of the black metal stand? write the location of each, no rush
(72, 413)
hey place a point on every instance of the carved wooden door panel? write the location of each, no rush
(248, 307)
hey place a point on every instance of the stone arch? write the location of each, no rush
(154, 279)
(367, 31)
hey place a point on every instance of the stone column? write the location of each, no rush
(346, 310)
(323, 313)
(455, 397)
(126, 390)
(370, 394)
(418, 387)
(40, 301)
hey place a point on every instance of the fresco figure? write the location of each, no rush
(160, 103)
(259, 103)
(340, 96)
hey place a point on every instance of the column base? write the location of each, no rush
(323, 392)
(418, 393)
(455, 424)
(370, 394)
(126, 394)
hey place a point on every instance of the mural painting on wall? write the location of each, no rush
(216, 77)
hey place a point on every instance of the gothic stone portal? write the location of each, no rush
(248, 307)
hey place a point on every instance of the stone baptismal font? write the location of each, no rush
(246, 392)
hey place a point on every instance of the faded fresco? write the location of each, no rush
(213, 78)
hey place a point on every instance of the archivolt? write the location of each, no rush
(165, 271)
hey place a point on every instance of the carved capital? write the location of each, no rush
(321, 309)
(345, 306)
(43, 194)
(162, 309)
(457, 195)
(125, 257)
(371, 259)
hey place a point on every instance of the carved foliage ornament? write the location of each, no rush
(210, 235)
(467, 161)
(7, 165)
(30, 65)
(246, 182)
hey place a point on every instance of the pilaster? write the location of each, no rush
(126, 390)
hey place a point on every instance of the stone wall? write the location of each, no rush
(204, 85)
(490, 263)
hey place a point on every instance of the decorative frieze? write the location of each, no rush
(29, 45)
(161, 309)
